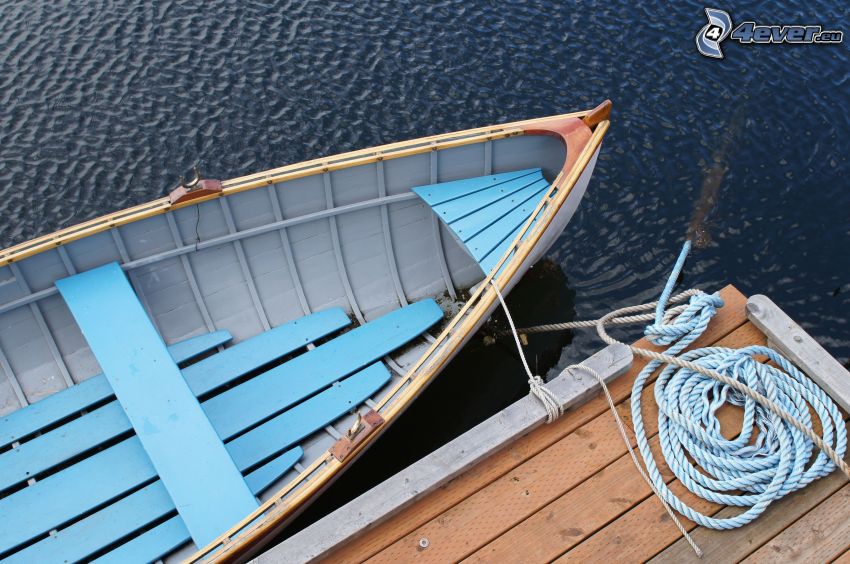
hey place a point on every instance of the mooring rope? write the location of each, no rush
(776, 401)
(535, 383)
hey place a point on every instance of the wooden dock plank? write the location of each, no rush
(729, 318)
(571, 518)
(625, 537)
(515, 496)
(733, 545)
(844, 558)
(541, 535)
(819, 536)
(639, 534)
(488, 512)
(801, 348)
(449, 461)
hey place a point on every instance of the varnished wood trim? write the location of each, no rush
(597, 115)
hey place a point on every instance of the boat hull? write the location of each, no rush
(271, 247)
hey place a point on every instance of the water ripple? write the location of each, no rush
(105, 103)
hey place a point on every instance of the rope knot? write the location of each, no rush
(688, 321)
(549, 400)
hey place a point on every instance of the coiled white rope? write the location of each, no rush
(689, 391)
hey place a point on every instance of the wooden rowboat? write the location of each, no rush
(178, 379)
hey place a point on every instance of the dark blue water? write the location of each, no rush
(103, 104)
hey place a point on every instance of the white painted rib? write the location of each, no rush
(190, 275)
(340, 264)
(488, 157)
(134, 282)
(438, 237)
(388, 242)
(66, 260)
(396, 367)
(42, 325)
(180, 249)
(330, 430)
(13, 380)
(287, 252)
(243, 263)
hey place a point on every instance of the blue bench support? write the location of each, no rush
(486, 213)
(188, 454)
(108, 422)
(63, 404)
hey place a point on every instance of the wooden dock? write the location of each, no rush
(568, 491)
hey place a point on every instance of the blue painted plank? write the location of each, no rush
(260, 479)
(217, 370)
(485, 219)
(189, 349)
(294, 424)
(108, 422)
(247, 450)
(60, 405)
(116, 521)
(517, 218)
(151, 545)
(486, 213)
(459, 208)
(435, 194)
(85, 537)
(61, 444)
(271, 392)
(86, 477)
(126, 516)
(189, 457)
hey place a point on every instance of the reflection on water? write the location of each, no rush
(699, 229)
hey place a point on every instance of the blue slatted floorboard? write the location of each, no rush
(486, 213)
(101, 480)
(88, 536)
(190, 459)
(110, 421)
(136, 511)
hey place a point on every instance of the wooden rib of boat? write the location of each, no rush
(178, 379)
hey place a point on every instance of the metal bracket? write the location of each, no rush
(363, 427)
(197, 187)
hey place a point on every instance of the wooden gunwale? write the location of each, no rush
(268, 177)
(272, 514)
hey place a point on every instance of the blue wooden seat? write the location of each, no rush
(486, 213)
(95, 502)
